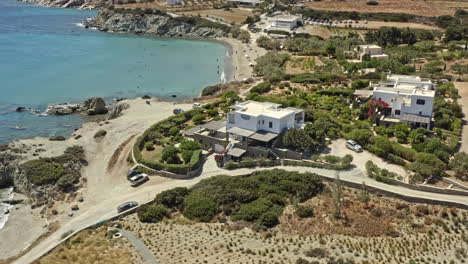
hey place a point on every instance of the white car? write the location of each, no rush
(197, 105)
(138, 179)
(352, 145)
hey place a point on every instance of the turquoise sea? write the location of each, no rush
(46, 57)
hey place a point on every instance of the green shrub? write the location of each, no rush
(261, 88)
(198, 119)
(359, 84)
(268, 219)
(254, 210)
(151, 213)
(189, 145)
(43, 171)
(57, 138)
(169, 153)
(304, 211)
(187, 156)
(173, 198)
(67, 180)
(372, 3)
(316, 253)
(198, 206)
(149, 146)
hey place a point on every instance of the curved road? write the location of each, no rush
(107, 208)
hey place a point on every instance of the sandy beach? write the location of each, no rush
(242, 55)
(23, 227)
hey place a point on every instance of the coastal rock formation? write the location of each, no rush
(14, 172)
(8, 167)
(81, 4)
(94, 106)
(156, 23)
(117, 110)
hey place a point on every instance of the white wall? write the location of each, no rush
(262, 122)
(426, 109)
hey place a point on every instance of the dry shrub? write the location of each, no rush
(421, 210)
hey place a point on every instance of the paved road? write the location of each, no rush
(106, 209)
(140, 246)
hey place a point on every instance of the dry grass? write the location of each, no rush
(152, 155)
(302, 64)
(235, 15)
(91, 246)
(395, 233)
(415, 7)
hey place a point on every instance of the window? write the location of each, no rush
(270, 124)
(420, 113)
(420, 102)
(397, 112)
(263, 122)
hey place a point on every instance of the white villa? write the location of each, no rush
(285, 22)
(250, 128)
(373, 51)
(410, 99)
(256, 116)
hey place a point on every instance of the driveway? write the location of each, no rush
(463, 92)
(338, 148)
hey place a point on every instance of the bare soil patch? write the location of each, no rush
(235, 15)
(415, 7)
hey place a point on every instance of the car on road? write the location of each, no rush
(177, 111)
(132, 173)
(352, 145)
(125, 206)
(197, 105)
(138, 179)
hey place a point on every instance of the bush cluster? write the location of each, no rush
(258, 198)
(381, 175)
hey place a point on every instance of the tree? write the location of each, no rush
(427, 166)
(361, 136)
(199, 207)
(330, 49)
(459, 164)
(169, 155)
(299, 139)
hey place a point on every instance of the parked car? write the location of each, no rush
(178, 111)
(138, 179)
(352, 145)
(132, 173)
(197, 105)
(125, 206)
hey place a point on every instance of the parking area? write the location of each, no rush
(338, 148)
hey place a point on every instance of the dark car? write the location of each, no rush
(125, 206)
(177, 111)
(132, 173)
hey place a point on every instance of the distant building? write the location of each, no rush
(246, 3)
(372, 51)
(410, 100)
(174, 2)
(285, 22)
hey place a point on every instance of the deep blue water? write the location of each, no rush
(45, 57)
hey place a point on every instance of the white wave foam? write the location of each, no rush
(81, 25)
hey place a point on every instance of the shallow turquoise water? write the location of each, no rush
(45, 57)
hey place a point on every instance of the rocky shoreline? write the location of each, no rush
(155, 23)
(80, 4)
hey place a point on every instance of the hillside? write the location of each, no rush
(414, 7)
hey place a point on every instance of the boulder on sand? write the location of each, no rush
(95, 106)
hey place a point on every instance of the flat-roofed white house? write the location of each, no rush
(257, 116)
(250, 129)
(373, 51)
(285, 22)
(410, 100)
(246, 3)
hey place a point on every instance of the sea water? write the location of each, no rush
(46, 57)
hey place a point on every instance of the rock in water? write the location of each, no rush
(21, 109)
(95, 106)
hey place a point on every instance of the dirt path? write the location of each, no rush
(463, 92)
(140, 246)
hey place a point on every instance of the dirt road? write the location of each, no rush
(463, 92)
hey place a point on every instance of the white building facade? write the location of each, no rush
(410, 100)
(373, 51)
(285, 22)
(269, 117)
